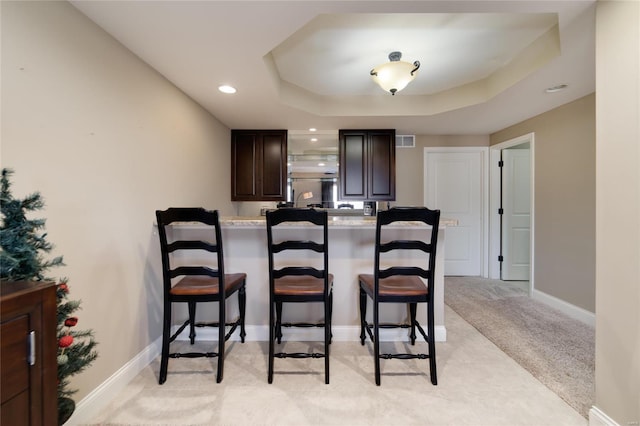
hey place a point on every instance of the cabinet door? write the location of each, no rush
(245, 149)
(16, 372)
(353, 165)
(274, 166)
(367, 165)
(258, 165)
(382, 165)
(28, 368)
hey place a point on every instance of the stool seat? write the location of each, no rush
(300, 286)
(203, 285)
(395, 286)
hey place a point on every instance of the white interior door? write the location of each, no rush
(454, 184)
(516, 218)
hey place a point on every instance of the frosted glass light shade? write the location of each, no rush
(394, 76)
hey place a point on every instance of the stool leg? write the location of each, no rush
(330, 315)
(271, 341)
(376, 342)
(412, 314)
(192, 321)
(432, 345)
(242, 306)
(221, 340)
(363, 314)
(279, 321)
(327, 337)
(164, 358)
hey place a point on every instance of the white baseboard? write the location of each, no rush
(573, 311)
(260, 333)
(598, 418)
(89, 407)
(95, 401)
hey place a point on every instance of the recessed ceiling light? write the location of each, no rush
(313, 129)
(227, 89)
(557, 88)
(321, 164)
(314, 139)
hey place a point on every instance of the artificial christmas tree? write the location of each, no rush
(75, 350)
(21, 258)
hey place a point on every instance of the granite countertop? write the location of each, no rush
(334, 221)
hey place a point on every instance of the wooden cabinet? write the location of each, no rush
(367, 165)
(28, 349)
(258, 165)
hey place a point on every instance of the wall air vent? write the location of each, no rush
(405, 141)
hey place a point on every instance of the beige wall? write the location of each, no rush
(618, 210)
(564, 199)
(410, 164)
(106, 140)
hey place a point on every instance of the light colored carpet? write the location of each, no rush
(556, 349)
(478, 385)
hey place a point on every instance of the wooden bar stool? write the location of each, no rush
(295, 283)
(401, 284)
(197, 283)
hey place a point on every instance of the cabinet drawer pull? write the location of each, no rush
(32, 348)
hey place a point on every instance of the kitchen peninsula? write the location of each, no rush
(351, 252)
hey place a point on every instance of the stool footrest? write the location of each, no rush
(298, 355)
(302, 324)
(193, 355)
(387, 325)
(234, 325)
(404, 356)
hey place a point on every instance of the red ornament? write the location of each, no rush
(71, 321)
(64, 287)
(65, 341)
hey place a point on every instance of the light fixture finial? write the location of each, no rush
(395, 56)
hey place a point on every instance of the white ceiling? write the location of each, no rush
(332, 54)
(302, 64)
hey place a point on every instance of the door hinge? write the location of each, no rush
(500, 258)
(500, 163)
(500, 210)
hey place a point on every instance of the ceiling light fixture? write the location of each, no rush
(227, 89)
(394, 75)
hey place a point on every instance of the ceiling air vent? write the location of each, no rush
(405, 141)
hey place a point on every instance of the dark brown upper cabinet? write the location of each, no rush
(258, 165)
(367, 165)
